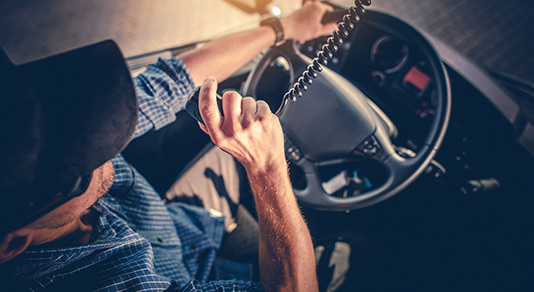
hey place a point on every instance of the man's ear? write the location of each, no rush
(13, 244)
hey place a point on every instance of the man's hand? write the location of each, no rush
(222, 57)
(253, 135)
(248, 131)
(305, 24)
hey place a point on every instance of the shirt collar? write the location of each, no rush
(37, 261)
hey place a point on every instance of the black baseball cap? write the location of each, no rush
(60, 118)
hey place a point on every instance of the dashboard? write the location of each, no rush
(392, 72)
(401, 78)
(385, 62)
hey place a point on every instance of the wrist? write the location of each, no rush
(273, 167)
(275, 24)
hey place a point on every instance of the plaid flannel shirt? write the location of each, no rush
(139, 243)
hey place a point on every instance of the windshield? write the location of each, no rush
(34, 29)
(494, 35)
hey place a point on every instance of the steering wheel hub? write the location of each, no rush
(336, 111)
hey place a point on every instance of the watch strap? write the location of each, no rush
(276, 25)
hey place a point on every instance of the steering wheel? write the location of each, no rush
(334, 122)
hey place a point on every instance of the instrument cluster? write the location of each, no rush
(392, 72)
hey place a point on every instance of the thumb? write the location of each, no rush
(207, 105)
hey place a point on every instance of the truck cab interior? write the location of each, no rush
(414, 145)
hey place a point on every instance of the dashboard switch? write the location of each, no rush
(292, 152)
(369, 146)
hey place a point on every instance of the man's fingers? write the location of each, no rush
(207, 105)
(262, 109)
(328, 28)
(232, 105)
(248, 107)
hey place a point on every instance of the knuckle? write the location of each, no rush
(249, 99)
(246, 123)
(217, 139)
(205, 108)
(262, 103)
(263, 117)
(232, 95)
(263, 107)
(223, 138)
(249, 103)
(233, 130)
(272, 117)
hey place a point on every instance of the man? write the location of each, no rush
(77, 217)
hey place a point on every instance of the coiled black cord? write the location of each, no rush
(329, 48)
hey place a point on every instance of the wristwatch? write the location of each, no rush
(276, 25)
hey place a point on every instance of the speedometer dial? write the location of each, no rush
(389, 54)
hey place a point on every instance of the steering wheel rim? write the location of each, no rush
(400, 171)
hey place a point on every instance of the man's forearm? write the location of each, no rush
(287, 260)
(222, 57)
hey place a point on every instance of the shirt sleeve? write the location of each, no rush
(162, 91)
(216, 286)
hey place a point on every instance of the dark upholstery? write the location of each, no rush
(161, 155)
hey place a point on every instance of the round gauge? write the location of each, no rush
(389, 54)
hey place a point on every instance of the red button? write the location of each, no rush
(417, 78)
